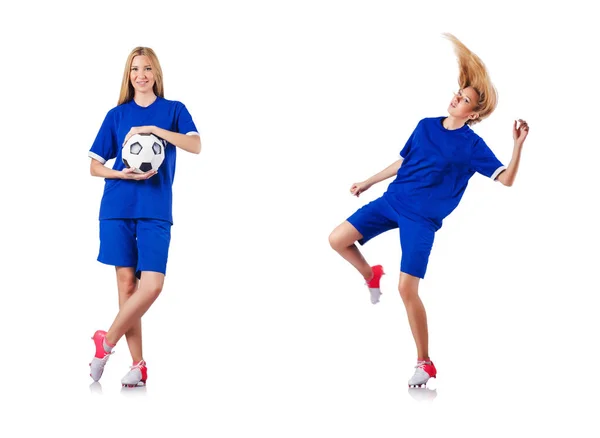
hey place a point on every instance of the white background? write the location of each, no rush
(263, 330)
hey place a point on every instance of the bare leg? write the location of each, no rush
(417, 318)
(134, 308)
(342, 240)
(127, 284)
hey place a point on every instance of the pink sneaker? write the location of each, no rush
(373, 283)
(137, 375)
(424, 371)
(100, 358)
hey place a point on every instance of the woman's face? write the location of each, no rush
(141, 76)
(464, 102)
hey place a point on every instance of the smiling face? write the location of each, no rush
(464, 103)
(141, 75)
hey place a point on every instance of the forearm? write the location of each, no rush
(507, 177)
(99, 169)
(189, 143)
(386, 173)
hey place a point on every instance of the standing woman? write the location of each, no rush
(432, 173)
(136, 208)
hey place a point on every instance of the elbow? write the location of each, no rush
(508, 182)
(197, 147)
(94, 167)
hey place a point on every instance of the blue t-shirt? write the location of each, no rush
(437, 166)
(151, 198)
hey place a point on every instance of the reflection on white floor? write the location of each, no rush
(96, 388)
(137, 391)
(423, 394)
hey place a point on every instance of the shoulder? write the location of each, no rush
(175, 104)
(118, 110)
(429, 122)
(473, 137)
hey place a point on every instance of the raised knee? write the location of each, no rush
(337, 240)
(333, 240)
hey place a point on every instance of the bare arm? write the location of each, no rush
(388, 172)
(190, 143)
(507, 176)
(99, 169)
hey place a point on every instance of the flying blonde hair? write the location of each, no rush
(127, 90)
(474, 74)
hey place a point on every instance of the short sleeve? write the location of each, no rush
(105, 146)
(185, 123)
(484, 161)
(406, 149)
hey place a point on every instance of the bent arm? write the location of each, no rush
(187, 142)
(99, 169)
(507, 176)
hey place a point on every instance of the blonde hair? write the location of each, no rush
(127, 90)
(472, 73)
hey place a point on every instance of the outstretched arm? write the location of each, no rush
(388, 172)
(507, 176)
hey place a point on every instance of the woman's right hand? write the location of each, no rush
(358, 188)
(128, 173)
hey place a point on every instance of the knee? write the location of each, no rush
(127, 286)
(153, 290)
(407, 292)
(333, 240)
(337, 241)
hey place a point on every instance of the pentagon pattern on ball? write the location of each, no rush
(143, 152)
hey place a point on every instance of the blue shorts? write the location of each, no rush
(142, 244)
(416, 239)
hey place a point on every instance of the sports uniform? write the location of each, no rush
(136, 216)
(437, 165)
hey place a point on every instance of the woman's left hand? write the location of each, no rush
(138, 130)
(520, 132)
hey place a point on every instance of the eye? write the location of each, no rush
(148, 68)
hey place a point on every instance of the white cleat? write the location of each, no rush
(97, 366)
(424, 370)
(136, 376)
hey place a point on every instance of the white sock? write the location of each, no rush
(107, 348)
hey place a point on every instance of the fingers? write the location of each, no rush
(133, 173)
(146, 175)
(522, 124)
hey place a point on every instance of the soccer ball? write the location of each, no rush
(143, 152)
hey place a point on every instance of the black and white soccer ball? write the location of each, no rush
(143, 152)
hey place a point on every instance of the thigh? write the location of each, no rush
(153, 240)
(416, 240)
(118, 246)
(373, 219)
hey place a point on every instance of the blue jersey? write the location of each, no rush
(151, 198)
(437, 166)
